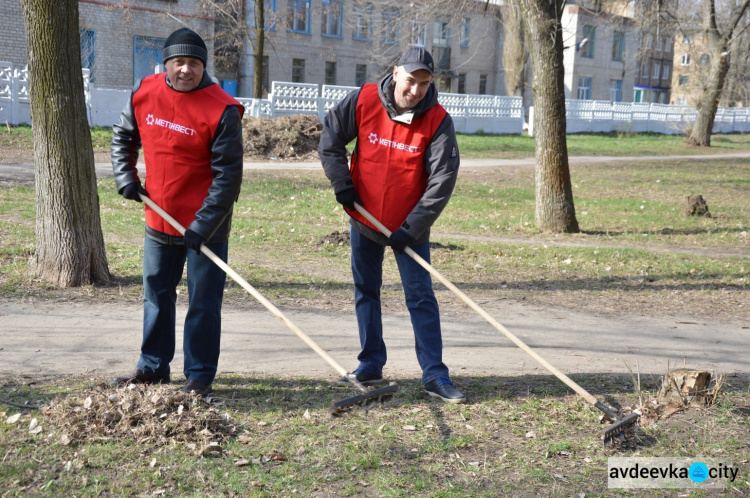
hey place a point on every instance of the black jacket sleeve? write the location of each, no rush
(126, 142)
(226, 165)
(339, 128)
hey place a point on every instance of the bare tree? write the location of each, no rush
(69, 243)
(514, 49)
(554, 197)
(233, 34)
(718, 41)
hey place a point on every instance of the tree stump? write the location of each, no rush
(685, 387)
(696, 206)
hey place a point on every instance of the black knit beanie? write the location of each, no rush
(184, 43)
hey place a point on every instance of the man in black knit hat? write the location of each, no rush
(190, 132)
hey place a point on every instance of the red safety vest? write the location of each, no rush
(388, 165)
(176, 131)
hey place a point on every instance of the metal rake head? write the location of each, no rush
(363, 401)
(621, 429)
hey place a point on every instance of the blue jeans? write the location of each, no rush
(367, 269)
(162, 270)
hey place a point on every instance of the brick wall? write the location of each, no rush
(13, 45)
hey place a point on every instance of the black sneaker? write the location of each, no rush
(364, 378)
(443, 389)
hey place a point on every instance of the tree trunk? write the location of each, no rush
(69, 243)
(554, 197)
(260, 31)
(717, 44)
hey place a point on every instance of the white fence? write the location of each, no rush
(470, 113)
(103, 105)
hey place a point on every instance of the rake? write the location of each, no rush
(617, 430)
(366, 400)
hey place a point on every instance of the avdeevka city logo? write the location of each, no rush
(150, 119)
(373, 138)
(698, 472)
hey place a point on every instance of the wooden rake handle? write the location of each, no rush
(249, 288)
(557, 373)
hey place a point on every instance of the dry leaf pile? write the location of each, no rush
(293, 137)
(155, 414)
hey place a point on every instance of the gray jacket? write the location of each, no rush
(213, 219)
(441, 159)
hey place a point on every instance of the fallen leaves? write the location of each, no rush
(144, 413)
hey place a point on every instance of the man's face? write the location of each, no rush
(410, 88)
(184, 73)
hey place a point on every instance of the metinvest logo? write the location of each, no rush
(642, 472)
(151, 121)
(375, 140)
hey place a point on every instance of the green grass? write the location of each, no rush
(637, 253)
(520, 436)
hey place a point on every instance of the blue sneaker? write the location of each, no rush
(364, 378)
(443, 389)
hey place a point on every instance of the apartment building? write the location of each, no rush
(351, 42)
(121, 42)
(653, 77)
(600, 51)
(691, 67)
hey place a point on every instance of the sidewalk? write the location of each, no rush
(43, 338)
(26, 171)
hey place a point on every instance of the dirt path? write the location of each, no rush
(101, 340)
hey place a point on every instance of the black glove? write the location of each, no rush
(348, 197)
(193, 240)
(131, 191)
(400, 240)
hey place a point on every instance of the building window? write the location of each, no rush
(681, 100)
(657, 71)
(644, 70)
(363, 23)
(299, 16)
(482, 84)
(584, 88)
(332, 19)
(391, 20)
(659, 44)
(705, 60)
(265, 78)
(588, 41)
(269, 15)
(665, 72)
(618, 46)
(146, 56)
(88, 52)
(330, 73)
(685, 60)
(465, 29)
(418, 35)
(360, 75)
(687, 39)
(443, 84)
(441, 33)
(668, 45)
(298, 70)
(683, 81)
(462, 83)
(615, 90)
